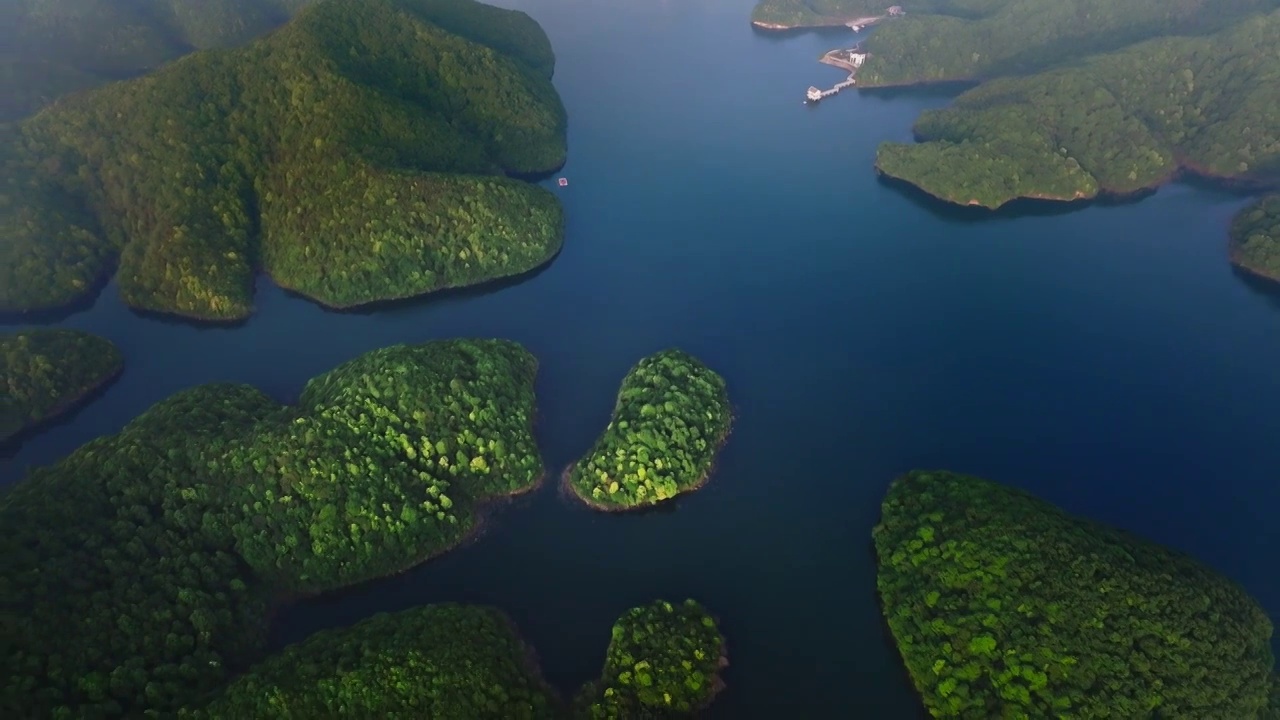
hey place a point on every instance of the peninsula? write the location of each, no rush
(219, 503)
(671, 417)
(358, 154)
(45, 373)
(1005, 606)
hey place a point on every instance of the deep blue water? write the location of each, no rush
(1106, 359)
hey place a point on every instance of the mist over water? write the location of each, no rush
(1106, 359)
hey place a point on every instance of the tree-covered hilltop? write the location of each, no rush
(155, 551)
(434, 661)
(1255, 238)
(49, 48)
(1116, 123)
(671, 417)
(355, 156)
(46, 372)
(1005, 606)
(663, 661)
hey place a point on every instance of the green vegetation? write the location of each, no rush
(436, 661)
(952, 40)
(1255, 238)
(1004, 606)
(44, 373)
(663, 662)
(783, 14)
(49, 48)
(671, 417)
(1115, 123)
(155, 551)
(355, 156)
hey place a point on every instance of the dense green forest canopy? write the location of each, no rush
(967, 40)
(1004, 606)
(49, 48)
(434, 661)
(355, 155)
(155, 551)
(1116, 123)
(671, 417)
(46, 372)
(663, 661)
(1255, 238)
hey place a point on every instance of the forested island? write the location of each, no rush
(671, 417)
(1116, 123)
(1255, 238)
(158, 552)
(1005, 606)
(357, 154)
(460, 661)
(47, 372)
(434, 661)
(663, 661)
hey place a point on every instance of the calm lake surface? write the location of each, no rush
(1106, 359)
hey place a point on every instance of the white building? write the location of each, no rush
(814, 94)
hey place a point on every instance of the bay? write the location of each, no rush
(1105, 358)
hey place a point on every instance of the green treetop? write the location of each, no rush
(671, 417)
(44, 373)
(155, 551)
(1004, 606)
(356, 155)
(663, 662)
(435, 661)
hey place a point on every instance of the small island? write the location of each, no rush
(671, 417)
(159, 551)
(1005, 606)
(359, 154)
(1255, 239)
(664, 661)
(45, 373)
(435, 661)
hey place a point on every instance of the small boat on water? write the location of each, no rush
(563, 182)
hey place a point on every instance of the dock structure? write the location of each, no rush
(815, 95)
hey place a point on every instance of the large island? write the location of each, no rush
(358, 154)
(157, 552)
(1005, 606)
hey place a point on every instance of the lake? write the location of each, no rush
(1105, 358)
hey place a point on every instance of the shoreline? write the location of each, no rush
(1184, 170)
(566, 484)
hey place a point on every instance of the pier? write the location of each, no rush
(851, 59)
(815, 95)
